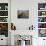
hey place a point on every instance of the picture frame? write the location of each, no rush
(23, 14)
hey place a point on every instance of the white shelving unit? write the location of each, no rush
(4, 18)
(42, 17)
(3, 14)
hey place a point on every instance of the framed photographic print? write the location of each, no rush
(23, 14)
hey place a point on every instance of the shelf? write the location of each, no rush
(3, 16)
(41, 22)
(42, 16)
(3, 10)
(3, 22)
(42, 19)
(4, 19)
(41, 10)
(41, 28)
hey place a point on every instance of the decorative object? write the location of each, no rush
(3, 13)
(0, 7)
(3, 19)
(6, 7)
(3, 6)
(43, 13)
(41, 6)
(41, 25)
(31, 27)
(41, 19)
(42, 32)
(4, 29)
(13, 27)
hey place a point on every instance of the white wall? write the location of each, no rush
(5, 39)
(32, 6)
(23, 24)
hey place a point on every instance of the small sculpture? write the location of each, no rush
(31, 27)
(13, 27)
